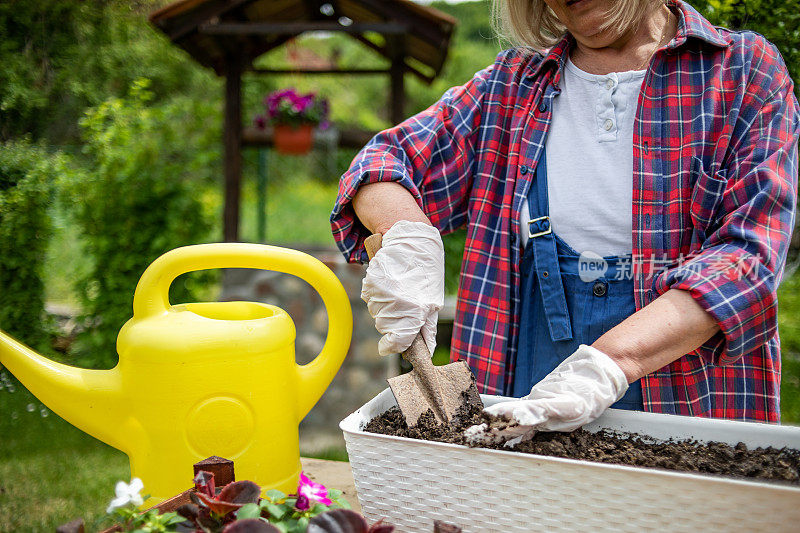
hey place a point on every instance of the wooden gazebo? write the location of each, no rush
(228, 35)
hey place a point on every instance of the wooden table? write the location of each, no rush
(334, 475)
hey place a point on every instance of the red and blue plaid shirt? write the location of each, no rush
(714, 191)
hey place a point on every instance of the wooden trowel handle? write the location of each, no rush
(372, 244)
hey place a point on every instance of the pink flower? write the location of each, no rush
(313, 491)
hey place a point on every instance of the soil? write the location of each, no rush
(782, 465)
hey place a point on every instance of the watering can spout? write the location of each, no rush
(78, 395)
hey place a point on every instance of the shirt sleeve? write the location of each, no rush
(431, 154)
(747, 208)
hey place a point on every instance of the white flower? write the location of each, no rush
(127, 493)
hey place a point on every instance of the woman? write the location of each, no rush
(628, 196)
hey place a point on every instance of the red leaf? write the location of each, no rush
(240, 492)
(218, 507)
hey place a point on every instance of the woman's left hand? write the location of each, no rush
(574, 394)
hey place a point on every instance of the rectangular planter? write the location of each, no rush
(411, 482)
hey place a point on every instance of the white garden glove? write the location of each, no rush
(404, 286)
(575, 393)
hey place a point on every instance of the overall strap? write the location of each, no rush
(545, 257)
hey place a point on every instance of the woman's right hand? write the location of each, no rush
(404, 285)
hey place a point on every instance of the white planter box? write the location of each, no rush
(411, 482)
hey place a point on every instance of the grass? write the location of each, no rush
(297, 213)
(51, 472)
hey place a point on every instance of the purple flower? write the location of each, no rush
(260, 122)
(302, 503)
(294, 98)
(305, 101)
(312, 491)
(287, 106)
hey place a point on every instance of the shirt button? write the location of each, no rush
(523, 169)
(599, 289)
(646, 147)
(609, 84)
(542, 106)
(608, 124)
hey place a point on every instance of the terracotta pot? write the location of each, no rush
(293, 140)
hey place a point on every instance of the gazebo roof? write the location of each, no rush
(214, 31)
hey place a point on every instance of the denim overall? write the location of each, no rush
(559, 311)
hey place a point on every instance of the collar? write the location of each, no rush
(691, 24)
(555, 57)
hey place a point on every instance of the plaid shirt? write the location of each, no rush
(714, 184)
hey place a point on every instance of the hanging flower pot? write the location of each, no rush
(294, 117)
(293, 140)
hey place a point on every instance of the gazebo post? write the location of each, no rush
(396, 78)
(232, 139)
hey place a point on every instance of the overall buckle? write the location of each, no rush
(548, 231)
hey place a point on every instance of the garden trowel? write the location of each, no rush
(442, 389)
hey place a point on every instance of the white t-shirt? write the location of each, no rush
(590, 161)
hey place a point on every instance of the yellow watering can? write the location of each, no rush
(200, 379)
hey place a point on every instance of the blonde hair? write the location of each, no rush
(531, 23)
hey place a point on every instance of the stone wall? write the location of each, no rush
(363, 373)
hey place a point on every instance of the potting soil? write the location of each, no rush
(609, 447)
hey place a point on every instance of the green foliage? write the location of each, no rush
(26, 177)
(129, 518)
(777, 20)
(60, 56)
(282, 510)
(789, 329)
(790, 388)
(137, 202)
(453, 252)
(473, 48)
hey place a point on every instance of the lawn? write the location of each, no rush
(50, 472)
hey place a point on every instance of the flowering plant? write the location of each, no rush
(125, 508)
(291, 108)
(293, 513)
(239, 508)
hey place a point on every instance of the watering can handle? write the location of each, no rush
(152, 298)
